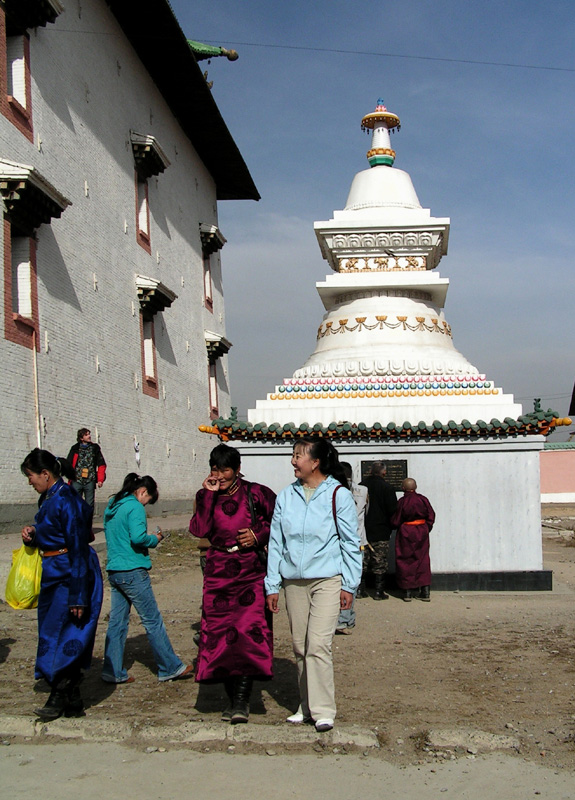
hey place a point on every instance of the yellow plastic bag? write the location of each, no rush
(23, 584)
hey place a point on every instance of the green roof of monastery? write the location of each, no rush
(203, 51)
(538, 422)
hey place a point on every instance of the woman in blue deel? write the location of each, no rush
(71, 589)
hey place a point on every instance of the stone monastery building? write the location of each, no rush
(113, 155)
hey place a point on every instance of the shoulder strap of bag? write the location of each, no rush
(333, 508)
(251, 503)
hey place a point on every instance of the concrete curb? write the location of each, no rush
(187, 733)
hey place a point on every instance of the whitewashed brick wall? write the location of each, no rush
(88, 92)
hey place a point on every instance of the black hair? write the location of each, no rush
(328, 457)
(347, 471)
(39, 460)
(81, 433)
(225, 457)
(133, 482)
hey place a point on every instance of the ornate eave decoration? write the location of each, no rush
(29, 199)
(539, 423)
(212, 238)
(428, 241)
(153, 295)
(149, 157)
(33, 13)
(216, 345)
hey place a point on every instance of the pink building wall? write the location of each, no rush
(558, 475)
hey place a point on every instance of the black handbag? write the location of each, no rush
(261, 552)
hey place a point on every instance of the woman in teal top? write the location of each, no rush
(128, 565)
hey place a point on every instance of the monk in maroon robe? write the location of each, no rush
(414, 520)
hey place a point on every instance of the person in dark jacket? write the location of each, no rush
(382, 505)
(88, 462)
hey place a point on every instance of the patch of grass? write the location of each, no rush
(179, 546)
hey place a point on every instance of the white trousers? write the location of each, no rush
(313, 610)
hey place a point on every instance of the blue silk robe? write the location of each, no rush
(74, 578)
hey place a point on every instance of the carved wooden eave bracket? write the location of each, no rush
(29, 199)
(212, 238)
(153, 295)
(216, 345)
(149, 157)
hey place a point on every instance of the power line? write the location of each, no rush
(510, 65)
(392, 55)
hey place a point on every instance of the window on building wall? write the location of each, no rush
(29, 201)
(142, 212)
(212, 241)
(213, 389)
(154, 297)
(17, 18)
(208, 294)
(22, 276)
(16, 70)
(149, 160)
(216, 346)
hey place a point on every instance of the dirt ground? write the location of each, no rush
(501, 663)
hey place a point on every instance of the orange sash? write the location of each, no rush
(415, 522)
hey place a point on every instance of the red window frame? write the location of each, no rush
(20, 116)
(18, 329)
(142, 235)
(150, 385)
(208, 285)
(213, 389)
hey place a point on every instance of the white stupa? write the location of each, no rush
(384, 351)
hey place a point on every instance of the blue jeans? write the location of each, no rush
(134, 587)
(347, 618)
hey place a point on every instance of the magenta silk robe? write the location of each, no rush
(412, 567)
(236, 633)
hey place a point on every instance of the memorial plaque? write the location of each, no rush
(396, 470)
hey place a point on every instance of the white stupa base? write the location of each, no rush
(399, 410)
(485, 494)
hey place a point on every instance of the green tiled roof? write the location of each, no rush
(537, 422)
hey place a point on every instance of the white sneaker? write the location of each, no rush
(324, 725)
(297, 719)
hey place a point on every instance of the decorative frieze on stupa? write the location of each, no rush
(384, 351)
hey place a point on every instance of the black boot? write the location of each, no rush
(424, 594)
(241, 703)
(361, 593)
(408, 596)
(379, 593)
(227, 712)
(55, 705)
(74, 703)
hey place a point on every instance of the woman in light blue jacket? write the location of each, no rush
(314, 553)
(128, 564)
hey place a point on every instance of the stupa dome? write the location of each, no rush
(382, 187)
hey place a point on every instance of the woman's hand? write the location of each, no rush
(77, 611)
(272, 603)
(246, 538)
(211, 484)
(28, 534)
(345, 600)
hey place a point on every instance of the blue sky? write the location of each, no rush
(488, 146)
